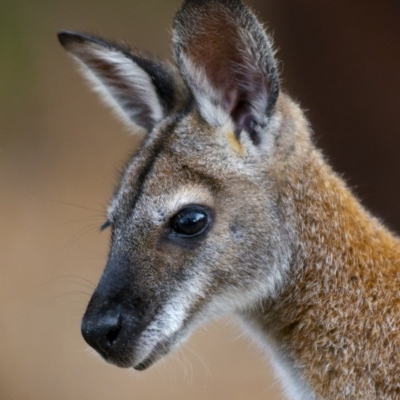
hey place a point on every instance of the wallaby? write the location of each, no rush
(228, 207)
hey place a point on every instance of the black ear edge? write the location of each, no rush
(275, 89)
(227, 3)
(160, 73)
(68, 39)
(183, 23)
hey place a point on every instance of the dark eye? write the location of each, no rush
(191, 221)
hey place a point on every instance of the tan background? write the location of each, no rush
(60, 149)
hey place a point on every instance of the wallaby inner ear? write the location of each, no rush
(140, 89)
(227, 60)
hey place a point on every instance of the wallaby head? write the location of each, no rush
(195, 222)
(227, 207)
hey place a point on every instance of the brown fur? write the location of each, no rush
(288, 249)
(337, 317)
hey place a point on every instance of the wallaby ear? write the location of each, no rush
(226, 58)
(140, 89)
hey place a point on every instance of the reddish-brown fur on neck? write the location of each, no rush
(337, 316)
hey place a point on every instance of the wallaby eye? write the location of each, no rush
(191, 221)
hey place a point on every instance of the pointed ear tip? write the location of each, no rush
(200, 2)
(225, 3)
(67, 38)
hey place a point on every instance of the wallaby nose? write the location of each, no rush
(102, 332)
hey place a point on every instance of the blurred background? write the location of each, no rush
(60, 150)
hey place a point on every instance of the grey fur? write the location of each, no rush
(287, 247)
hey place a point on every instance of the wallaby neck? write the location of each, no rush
(328, 323)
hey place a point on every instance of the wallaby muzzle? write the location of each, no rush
(116, 315)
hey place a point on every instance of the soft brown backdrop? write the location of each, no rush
(59, 151)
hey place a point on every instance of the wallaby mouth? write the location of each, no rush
(160, 350)
(119, 338)
(114, 323)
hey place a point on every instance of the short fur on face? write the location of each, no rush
(227, 207)
(209, 127)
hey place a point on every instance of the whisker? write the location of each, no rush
(84, 219)
(90, 284)
(81, 233)
(73, 293)
(66, 203)
(202, 361)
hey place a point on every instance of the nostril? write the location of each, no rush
(102, 332)
(112, 335)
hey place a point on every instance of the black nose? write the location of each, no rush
(102, 332)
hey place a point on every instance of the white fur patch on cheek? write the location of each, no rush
(171, 318)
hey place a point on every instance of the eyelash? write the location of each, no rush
(106, 225)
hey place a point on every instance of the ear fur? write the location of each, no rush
(227, 60)
(140, 89)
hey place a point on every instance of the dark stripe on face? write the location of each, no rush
(157, 148)
(148, 166)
